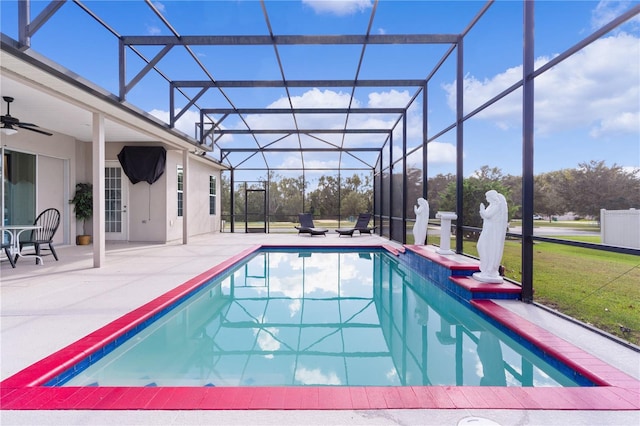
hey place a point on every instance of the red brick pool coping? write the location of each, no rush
(25, 391)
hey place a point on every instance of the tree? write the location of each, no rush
(546, 197)
(285, 197)
(225, 189)
(415, 183)
(514, 185)
(594, 186)
(323, 201)
(356, 195)
(436, 186)
(473, 193)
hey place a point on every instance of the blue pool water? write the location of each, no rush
(335, 318)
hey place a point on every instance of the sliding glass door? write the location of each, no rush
(19, 187)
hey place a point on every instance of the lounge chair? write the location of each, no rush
(49, 220)
(362, 226)
(307, 227)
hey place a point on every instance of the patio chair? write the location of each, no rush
(6, 245)
(48, 220)
(362, 226)
(307, 227)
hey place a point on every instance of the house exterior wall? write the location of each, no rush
(62, 161)
(199, 219)
(55, 171)
(146, 204)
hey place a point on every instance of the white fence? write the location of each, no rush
(620, 227)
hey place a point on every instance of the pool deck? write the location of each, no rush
(45, 308)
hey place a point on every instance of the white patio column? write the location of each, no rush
(98, 162)
(185, 196)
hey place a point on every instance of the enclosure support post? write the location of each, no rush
(459, 145)
(425, 138)
(404, 178)
(232, 199)
(527, 153)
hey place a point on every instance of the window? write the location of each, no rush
(212, 195)
(180, 189)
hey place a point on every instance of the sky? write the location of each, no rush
(586, 108)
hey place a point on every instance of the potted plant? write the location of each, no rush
(83, 201)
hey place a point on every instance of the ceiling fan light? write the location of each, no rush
(8, 130)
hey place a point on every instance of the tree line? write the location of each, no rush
(583, 190)
(288, 196)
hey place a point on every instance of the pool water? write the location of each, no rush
(328, 318)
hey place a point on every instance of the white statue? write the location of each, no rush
(422, 221)
(491, 241)
(490, 353)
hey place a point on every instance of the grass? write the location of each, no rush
(599, 288)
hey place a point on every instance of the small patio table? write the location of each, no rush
(14, 232)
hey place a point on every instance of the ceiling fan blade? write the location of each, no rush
(26, 126)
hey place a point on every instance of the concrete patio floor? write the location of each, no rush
(47, 307)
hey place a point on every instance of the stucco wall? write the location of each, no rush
(151, 209)
(55, 170)
(199, 219)
(145, 203)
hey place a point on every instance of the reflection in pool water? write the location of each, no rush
(335, 318)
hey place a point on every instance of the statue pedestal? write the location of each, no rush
(445, 232)
(478, 276)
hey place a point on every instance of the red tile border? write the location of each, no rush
(24, 390)
(475, 286)
(446, 261)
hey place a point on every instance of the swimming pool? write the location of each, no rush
(325, 318)
(25, 390)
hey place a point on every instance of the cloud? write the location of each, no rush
(338, 7)
(392, 98)
(327, 98)
(186, 123)
(440, 152)
(607, 10)
(316, 377)
(597, 88)
(267, 339)
(316, 98)
(153, 30)
(159, 6)
(627, 122)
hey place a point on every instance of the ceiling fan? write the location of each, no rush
(10, 123)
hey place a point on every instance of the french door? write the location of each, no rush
(116, 220)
